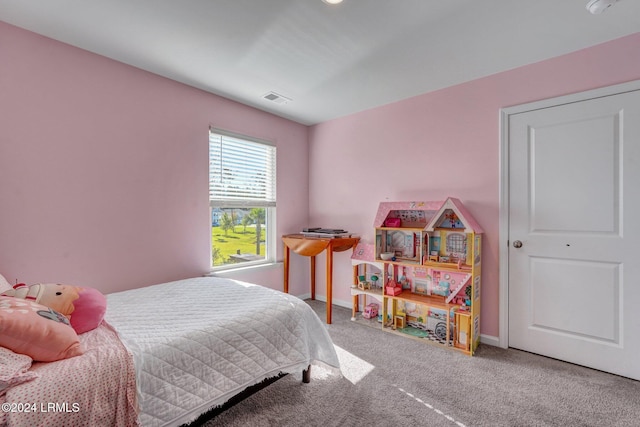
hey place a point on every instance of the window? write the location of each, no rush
(456, 242)
(242, 197)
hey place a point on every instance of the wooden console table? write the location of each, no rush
(312, 246)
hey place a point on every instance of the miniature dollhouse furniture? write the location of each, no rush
(392, 288)
(370, 311)
(363, 284)
(311, 246)
(433, 280)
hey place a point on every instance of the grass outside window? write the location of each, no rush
(237, 240)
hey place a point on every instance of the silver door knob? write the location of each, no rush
(517, 244)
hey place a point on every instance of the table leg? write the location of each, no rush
(313, 277)
(286, 269)
(354, 306)
(329, 282)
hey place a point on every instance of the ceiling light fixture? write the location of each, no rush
(596, 7)
(332, 1)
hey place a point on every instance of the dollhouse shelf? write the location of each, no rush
(391, 325)
(365, 268)
(432, 282)
(434, 302)
(376, 293)
(356, 293)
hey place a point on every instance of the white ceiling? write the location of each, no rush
(330, 60)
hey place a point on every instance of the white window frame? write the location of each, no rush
(266, 201)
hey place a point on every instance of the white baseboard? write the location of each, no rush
(304, 296)
(490, 340)
(340, 303)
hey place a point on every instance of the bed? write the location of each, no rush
(167, 353)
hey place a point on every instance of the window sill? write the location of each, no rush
(249, 268)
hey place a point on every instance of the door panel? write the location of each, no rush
(553, 298)
(574, 284)
(576, 155)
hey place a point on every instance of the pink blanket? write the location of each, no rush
(95, 389)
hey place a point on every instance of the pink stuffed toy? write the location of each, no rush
(84, 307)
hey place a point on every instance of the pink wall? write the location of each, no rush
(104, 169)
(445, 143)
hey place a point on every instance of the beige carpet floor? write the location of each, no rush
(388, 380)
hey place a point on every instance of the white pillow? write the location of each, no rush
(4, 285)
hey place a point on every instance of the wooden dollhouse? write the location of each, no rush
(429, 258)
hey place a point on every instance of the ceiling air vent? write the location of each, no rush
(277, 98)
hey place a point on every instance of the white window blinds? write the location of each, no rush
(242, 171)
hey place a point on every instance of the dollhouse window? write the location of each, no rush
(456, 242)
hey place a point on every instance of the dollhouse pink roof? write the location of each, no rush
(364, 252)
(470, 224)
(385, 208)
(432, 212)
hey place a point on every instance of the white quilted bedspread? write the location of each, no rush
(197, 342)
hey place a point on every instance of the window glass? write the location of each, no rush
(242, 197)
(456, 242)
